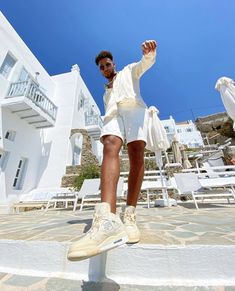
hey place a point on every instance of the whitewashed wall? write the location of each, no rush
(28, 142)
(47, 150)
(58, 137)
(69, 116)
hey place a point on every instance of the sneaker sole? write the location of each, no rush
(133, 241)
(106, 245)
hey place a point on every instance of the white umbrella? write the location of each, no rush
(176, 150)
(226, 87)
(186, 162)
(157, 140)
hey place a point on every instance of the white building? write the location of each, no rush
(37, 114)
(185, 132)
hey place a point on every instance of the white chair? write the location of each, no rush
(188, 183)
(153, 188)
(89, 187)
(38, 198)
(63, 198)
(90, 191)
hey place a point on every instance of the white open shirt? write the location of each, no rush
(126, 86)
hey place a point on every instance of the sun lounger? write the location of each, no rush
(89, 187)
(188, 183)
(91, 192)
(153, 188)
(37, 198)
(62, 199)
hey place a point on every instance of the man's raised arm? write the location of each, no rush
(149, 48)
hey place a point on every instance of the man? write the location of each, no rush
(126, 118)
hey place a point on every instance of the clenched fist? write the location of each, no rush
(148, 46)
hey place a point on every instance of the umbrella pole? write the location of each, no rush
(164, 191)
(165, 201)
(197, 166)
(167, 159)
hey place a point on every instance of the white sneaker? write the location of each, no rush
(129, 220)
(107, 232)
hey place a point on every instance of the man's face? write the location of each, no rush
(107, 67)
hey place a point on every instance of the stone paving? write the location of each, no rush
(181, 225)
(9, 282)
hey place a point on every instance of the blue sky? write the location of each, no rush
(196, 41)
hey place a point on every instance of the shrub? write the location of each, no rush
(87, 172)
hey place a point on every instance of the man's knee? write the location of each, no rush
(136, 150)
(136, 147)
(112, 145)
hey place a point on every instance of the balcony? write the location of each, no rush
(31, 104)
(94, 124)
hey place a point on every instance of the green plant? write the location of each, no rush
(87, 172)
(150, 164)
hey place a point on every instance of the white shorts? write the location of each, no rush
(131, 124)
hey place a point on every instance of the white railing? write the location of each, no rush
(31, 90)
(93, 120)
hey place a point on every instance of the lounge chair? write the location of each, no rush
(63, 198)
(37, 198)
(153, 188)
(91, 192)
(188, 183)
(89, 187)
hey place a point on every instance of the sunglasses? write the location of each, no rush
(107, 65)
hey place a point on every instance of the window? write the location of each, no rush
(3, 159)
(81, 100)
(167, 129)
(179, 130)
(20, 171)
(189, 129)
(24, 75)
(7, 65)
(10, 135)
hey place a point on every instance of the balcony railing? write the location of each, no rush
(93, 120)
(31, 90)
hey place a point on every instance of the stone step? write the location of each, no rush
(180, 246)
(147, 264)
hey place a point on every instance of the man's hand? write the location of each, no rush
(149, 46)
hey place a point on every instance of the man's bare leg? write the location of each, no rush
(136, 157)
(110, 170)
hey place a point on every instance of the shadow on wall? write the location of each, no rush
(46, 148)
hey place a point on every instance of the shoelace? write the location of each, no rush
(129, 218)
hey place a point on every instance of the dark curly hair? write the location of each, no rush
(102, 55)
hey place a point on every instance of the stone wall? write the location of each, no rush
(216, 127)
(87, 158)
